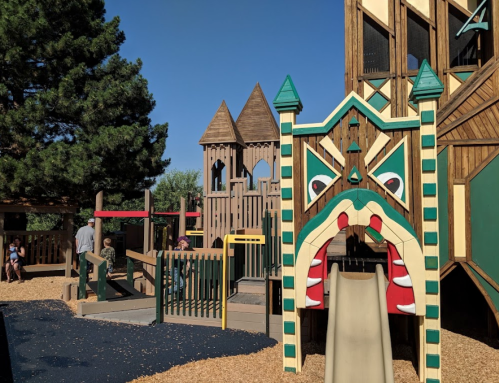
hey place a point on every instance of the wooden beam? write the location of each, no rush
(86, 308)
(181, 221)
(99, 203)
(465, 117)
(472, 142)
(67, 243)
(484, 163)
(380, 23)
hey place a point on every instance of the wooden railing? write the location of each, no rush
(42, 247)
(101, 265)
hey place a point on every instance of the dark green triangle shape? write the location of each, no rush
(287, 98)
(354, 121)
(354, 177)
(353, 147)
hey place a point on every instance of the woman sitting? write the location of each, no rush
(16, 261)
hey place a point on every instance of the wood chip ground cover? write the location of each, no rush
(464, 359)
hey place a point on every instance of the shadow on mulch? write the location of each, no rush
(5, 364)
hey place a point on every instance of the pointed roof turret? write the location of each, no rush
(222, 129)
(287, 98)
(427, 84)
(256, 121)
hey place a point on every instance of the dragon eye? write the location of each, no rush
(317, 185)
(393, 182)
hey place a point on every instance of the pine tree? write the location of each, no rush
(74, 115)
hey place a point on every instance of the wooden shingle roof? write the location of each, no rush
(222, 129)
(256, 121)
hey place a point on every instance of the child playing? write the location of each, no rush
(108, 254)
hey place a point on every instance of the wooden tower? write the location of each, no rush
(234, 200)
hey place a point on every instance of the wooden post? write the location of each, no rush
(2, 253)
(198, 209)
(181, 222)
(68, 243)
(147, 222)
(99, 204)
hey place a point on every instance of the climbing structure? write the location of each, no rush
(234, 198)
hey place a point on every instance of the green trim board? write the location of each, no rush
(286, 150)
(431, 262)
(287, 237)
(432, 311)
(377, 82)
(289, 328)
(287, 172)
(463, 75)
(429, 190)
(430, 238)
(287, 193)
(433, 360)
(428, 141)
(286, 128)
(443, 206)
(354, 101)
(377, 237)
(287, 98)
(431, 287)
(288, 304)
(471, 25)
(287, 215)
(360, 197)
(377, 101)
(428, 380)
(288, 259)
(429, 165)
(427, 84)
(288, 282)
(484, 213)
(428, 117)
(430, 214)
(433, 336)
(290, 351)
(290, 369)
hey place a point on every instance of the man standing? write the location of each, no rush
(85, 238)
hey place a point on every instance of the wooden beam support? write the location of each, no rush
(99, 203)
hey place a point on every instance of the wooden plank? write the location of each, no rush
(86, 308)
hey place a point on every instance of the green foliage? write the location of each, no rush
(173, 185)
(44, 222)
(74, 115)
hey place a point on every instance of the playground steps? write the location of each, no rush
(246, 303)
(142, 317)
(250, 285)
(255, 322)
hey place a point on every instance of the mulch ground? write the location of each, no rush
(48, 344)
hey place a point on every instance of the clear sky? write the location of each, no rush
(197, 53)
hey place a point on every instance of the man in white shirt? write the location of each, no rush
(85, 237)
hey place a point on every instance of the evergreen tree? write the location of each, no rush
(173, 185)
(74, 115)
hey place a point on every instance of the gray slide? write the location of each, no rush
(358, 348)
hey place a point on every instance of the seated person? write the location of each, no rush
(17, 253)
(175, 273)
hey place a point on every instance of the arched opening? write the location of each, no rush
(217, 244)
(260, 170)
(218, 176)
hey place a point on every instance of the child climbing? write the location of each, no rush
(109, 255)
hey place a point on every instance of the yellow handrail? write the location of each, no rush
(197, 233)
(234, 239)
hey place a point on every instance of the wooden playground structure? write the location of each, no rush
(388, 195)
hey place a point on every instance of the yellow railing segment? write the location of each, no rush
(195, 233)
(228, 240)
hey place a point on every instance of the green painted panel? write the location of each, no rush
(428, 117)
(428, 141)
(429, 190)
(287, 215)
(377, 83)
(354, 147)
(375, 235)
(464, 75)
(288, 259)
(427, 84)
(428, 380)
(431, 287)
(429, 165)
(288, 304)
(430, 238)
(290, 369)
(430, 214)
(443, 198)
(289, 328)
(377, 101)
(353, 121)
(491, 291)
(287, 150)
(431, 263)
(432, 336)
(287, 193)
(354, 177)
(318, 176)
(395, 163)
(432, 311)
(432, 360)
(288, 282)
(290, 351)
(286, 128)
(287, 171)
(287, 98)
(287, 237)
(485, 219)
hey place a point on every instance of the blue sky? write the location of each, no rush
(197, 53)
